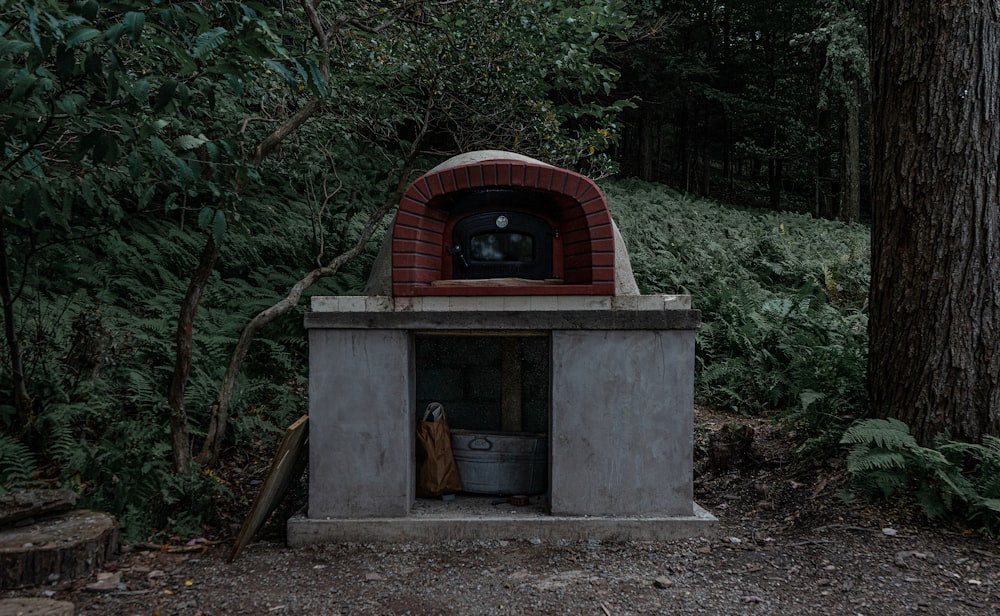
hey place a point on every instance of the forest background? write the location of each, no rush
(177, 179)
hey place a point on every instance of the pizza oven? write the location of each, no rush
(503, 292)
(505, 226)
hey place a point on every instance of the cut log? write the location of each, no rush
(34, 606)
(25, 504)
(64, 546)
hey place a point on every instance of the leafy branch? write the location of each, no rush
(220, 409)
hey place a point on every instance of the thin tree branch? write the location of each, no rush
(274, 139)
(220, 409)
(31, 146)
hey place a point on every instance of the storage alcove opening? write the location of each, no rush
(496, 390)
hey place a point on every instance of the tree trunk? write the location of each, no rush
(824, 168)
(22, 400)
(179, 435)
(850, 157)
(774, 173)
(934, 355)
(647, 143)
(683, 146)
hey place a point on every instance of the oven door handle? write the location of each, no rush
(457, 250)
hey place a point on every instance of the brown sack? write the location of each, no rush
(437, 473)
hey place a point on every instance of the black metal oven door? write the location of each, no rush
(502, 244)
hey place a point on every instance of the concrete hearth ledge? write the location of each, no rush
(303, 531)
(513, 303)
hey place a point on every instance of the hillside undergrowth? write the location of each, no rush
(782, 297)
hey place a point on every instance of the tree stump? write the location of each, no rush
(24, 504)
(32, 606)
(68, 545)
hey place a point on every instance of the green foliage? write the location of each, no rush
(104, 353)
(130, 136)
(841, 37)
(781, 297)
(17, 464)
(960, 480)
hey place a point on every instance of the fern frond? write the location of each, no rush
(958, 485)
(992, 443)
(17, 464)
(207, 42)
(863, 459)
(993, 504)
(885, 433)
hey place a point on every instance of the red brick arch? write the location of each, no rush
(419, 248)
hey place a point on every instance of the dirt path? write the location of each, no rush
(784, 546)
(843, 568)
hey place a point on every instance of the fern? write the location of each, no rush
(884, 433)
(863, 458)
(17, 464)
(780, 296)
(207, 42)
(951, 478)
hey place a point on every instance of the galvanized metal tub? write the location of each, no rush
(501, 462)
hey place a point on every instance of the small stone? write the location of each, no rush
(106, 582)
(535, 541)
(889, 532)
(663, 582)
(705, 549)
(735, 540)
(372, 577)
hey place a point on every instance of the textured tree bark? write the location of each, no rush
(179, 434)
(934, 326)
(68, 545)
(22, 400)
(850, 157)
(825, 207)
(18, 505)
(647, 143)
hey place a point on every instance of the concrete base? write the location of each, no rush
(442, 525)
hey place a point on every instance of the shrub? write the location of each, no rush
(950, 480)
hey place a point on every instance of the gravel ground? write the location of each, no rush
(837, 569)
(784, 545)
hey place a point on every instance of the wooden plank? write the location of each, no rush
(510, 405)
(284, 470)
(495, 282)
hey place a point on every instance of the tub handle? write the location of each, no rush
(477, 444)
